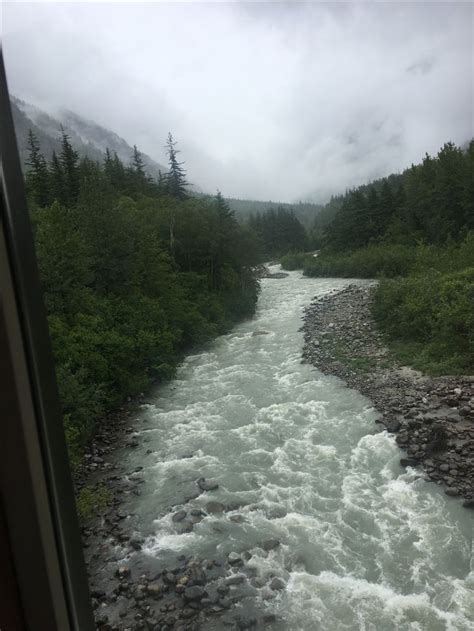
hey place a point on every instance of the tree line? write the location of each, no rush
(415, 231)
(431, 202)
(134, 270)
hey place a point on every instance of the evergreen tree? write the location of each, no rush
(176, 177)
(57, 179)
(69, 159)
(37, 179)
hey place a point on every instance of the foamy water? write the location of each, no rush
(364, 544)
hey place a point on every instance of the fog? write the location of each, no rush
(267, 100)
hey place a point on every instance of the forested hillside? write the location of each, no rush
(134, 273)
(415, 230)
(87, 137)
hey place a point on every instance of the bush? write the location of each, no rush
(430, 319)
(371, 262)
(294, 260)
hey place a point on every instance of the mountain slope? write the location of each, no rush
(87, 137)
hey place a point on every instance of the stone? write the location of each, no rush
(207, 485)
(468, 503)
(179, 516)
(123, 572)
(215, 507)
(155, 590)
(234, 559)
(393, 426)
(453, 492)
(136, 543)
(196, 592)
(238, 579)
(408, 462)
(277, 584)
(270, 544)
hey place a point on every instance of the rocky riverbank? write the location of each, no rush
(432, 417)
(130, 589)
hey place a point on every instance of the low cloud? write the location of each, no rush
(268, 101)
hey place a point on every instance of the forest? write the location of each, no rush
(135, 272)
(414, 231)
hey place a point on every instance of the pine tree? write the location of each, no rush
(138, 164)
(176, 177)
(57, 179)
(69, 160)
(37, 178)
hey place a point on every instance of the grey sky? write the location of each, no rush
(277, 101)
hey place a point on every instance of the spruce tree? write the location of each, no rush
(69, 160)
(57, 179)
(37, 178)
(176, 177)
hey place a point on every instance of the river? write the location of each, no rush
(364, 544)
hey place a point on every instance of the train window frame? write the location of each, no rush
(43, 570)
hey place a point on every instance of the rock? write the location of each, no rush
(270, 544)
(444, 468)
(238, 519)
(196, 592)
(468, 503)
(207, 485)
(408, 462)
(170, 578)
(277, 584)
(453, 492)
(215, 507)
(123, 572)
(155, 590)
(179, 516)
(234, 559)
(235, 580)
(136, 543)
(393, 426)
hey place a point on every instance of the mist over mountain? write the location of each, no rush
(87, 137)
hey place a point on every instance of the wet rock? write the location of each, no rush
(155, 590)
(393, 426)
(122, 572)
(196, 592)
(270, 544)
(238, 579)
(215, 507)
(468, 504)
(207, 485)
(277, 584)
(408, 462)
(179, 516)
(234, 559)
(136, 543)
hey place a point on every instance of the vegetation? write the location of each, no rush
(278, 232)
(92, 500)
(415, 232)
(134, 273)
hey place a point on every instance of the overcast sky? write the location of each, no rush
(279, 101)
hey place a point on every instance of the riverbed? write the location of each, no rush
(358, 542)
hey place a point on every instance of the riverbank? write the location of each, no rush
(133, 591)
(432, 417)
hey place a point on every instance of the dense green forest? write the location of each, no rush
(305, 212)
(278, 232)
(414, 231)
(134, 272)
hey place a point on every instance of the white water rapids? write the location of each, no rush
(365, 545)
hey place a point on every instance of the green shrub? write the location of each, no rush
(430, 319)
(294, 260)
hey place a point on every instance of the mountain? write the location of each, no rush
(87, 137)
